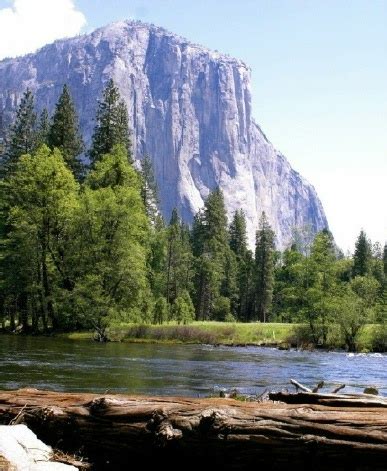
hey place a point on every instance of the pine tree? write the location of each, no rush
(149, 191)
(64, 132)
(238, 234)
(242, 307)
(210, 247)
(43, 129)
(112, 126)
(216, 232)
(385, 260)
(22, 136)
(264, 268)
(362, 256)
(178, 264)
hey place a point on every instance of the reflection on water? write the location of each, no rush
(194, 370)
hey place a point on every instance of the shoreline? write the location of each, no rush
(283, 344)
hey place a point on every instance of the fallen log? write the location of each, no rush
(114, 430)
(330, 399)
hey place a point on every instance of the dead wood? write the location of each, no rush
(327, 431)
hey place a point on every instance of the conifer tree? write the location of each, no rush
(64, 132)
(178, 267)
(112, 126)
(238, 234)
(210, 246)
(238, 243)
(362, 256)
(385, 260)
(264, 269)
(22, 138)
(43, 129)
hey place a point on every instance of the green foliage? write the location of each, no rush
(264, 269)
(222, 308)
(183, 310)
(64, 132)
(211, 250)
(113, 234)
(98, 254)
(178, 261)
(113, 171)
(160, 314)
(241, 291)
(366, 288)
(238, 234)
(112, 126)
(22, 135)
(362, 256)
(43, 129)
(352, 315)
(42, 200)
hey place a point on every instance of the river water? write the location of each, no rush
(192, 370)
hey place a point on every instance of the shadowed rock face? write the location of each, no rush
(190, 110)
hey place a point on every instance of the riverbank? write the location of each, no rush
(210, 333)
(279, 335)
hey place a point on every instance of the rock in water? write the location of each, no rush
(21, 450)
(190, 110)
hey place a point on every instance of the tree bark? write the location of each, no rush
(114, 430)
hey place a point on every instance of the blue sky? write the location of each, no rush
(319, 82)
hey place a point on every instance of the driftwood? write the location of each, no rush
(300, 386)
(326, 432)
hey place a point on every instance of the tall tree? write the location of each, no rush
(22, 136)
(42, 196)
(113, 241)
(210, 246)
(242, 306)
(178, 263)
(64, 132)
(362, 256)
(112, 126)
(322, 286)
(264, 268)
(43, 129)
(385, 260)
(238, 234)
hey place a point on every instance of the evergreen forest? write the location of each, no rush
(83, 244)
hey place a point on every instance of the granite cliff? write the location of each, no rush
(189, 109)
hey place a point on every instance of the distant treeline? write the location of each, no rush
(85, 246)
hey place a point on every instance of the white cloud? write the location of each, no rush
(29, 24)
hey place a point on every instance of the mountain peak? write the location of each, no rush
(190, 110)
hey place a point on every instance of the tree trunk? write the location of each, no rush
(114, 430)
(23, 311)
(48, 306)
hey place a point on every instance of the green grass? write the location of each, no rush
(255, 333)
(204, 332)
(83, 335)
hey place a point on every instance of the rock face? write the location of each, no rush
(190, 110)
